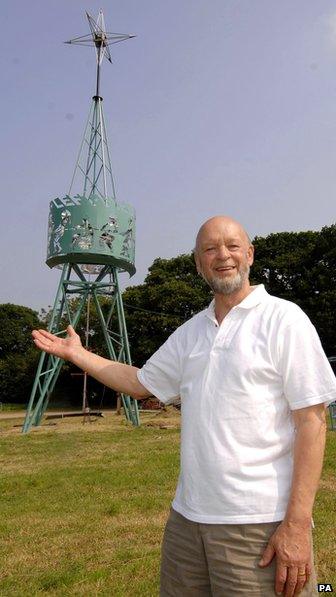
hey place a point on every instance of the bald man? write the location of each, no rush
(254, 383)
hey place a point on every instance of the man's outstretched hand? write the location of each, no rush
(118, 376)
(65, 348)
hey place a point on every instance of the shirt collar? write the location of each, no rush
(253, 299)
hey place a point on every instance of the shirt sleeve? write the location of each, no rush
(161, 374)
(308, 378)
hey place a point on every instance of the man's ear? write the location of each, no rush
(250, 254)
(197, 262)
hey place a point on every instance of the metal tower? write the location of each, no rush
(91, 238)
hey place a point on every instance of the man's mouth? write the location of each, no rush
(225, 268)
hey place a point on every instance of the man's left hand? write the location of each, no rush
(291, 545)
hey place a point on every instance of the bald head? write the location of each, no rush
(219, 225)
(223, 255)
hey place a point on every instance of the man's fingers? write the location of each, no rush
(280, 577)
(45, 345)
(41, 339)
(302, 578)
(39, 344)
(44, 333)
(291, 582)
(46, 341)
(36, 333)
(301, 581)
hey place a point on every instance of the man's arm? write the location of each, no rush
(291, 542)
(118, 376)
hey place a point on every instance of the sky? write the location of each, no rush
(215, 107)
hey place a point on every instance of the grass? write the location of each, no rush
(83, 507)
(325, 516)
(6, 406)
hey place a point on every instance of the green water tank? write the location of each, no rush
(91, 230)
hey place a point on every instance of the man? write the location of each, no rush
(253, 382)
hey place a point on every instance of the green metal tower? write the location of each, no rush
(91, 238)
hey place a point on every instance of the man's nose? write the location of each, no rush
(223, 252)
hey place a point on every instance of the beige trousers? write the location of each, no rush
(218, 560)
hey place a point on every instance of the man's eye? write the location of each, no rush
(234, 247)
(210, 249)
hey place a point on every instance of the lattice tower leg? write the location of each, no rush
(117, 344)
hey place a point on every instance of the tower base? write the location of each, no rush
(49, 367)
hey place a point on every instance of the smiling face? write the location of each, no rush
(223, 255)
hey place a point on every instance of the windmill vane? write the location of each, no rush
(99, 38)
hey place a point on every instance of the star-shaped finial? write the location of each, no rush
(99, 38)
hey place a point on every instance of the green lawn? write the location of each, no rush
(83, 507)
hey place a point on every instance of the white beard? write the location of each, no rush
(230, 285)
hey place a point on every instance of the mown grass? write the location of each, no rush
(83, 507)
(325, 516)
(5, 407)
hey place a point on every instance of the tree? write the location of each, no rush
(18, 356)
(171, 293)
(301, 267)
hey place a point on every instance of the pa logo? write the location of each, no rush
(325, 588)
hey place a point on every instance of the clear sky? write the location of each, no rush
(216, 107)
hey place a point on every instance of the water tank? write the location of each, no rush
(91, 230)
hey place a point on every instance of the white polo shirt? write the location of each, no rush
(238, 383)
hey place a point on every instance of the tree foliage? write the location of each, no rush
(171, 293)
(301, 267)
(18, 356)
